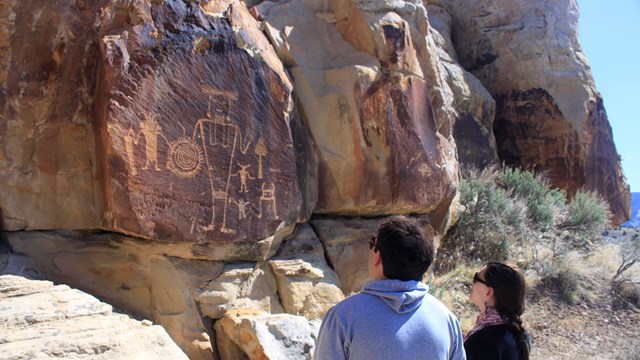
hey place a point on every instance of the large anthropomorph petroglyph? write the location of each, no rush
(203, 154)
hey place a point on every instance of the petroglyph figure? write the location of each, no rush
(129, 142)
(244, 174)
(242, 207)
(261, 151)
(185, 158)
(216, 136)
(268, 195)
(150, 128)
(424, 169)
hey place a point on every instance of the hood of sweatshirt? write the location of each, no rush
(401, 296)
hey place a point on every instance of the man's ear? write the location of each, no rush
(377, 258)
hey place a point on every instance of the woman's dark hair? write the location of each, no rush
(508, 285)
(405, 248)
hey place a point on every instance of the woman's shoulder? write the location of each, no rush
(494, 333)
(492, 342)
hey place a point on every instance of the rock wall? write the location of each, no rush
(549, 115)
(194, 162)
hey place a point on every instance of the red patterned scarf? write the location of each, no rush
(487, 318)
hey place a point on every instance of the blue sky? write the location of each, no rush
(609, 32)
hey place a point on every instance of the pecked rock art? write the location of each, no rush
(195, 135)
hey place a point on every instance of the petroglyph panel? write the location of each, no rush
(196, 144)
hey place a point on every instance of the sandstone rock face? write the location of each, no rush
(193, 127)
(40, 320)
(306, 284)
(129, 274)
(472, 106)
(549, 116)
(346, 242)
(47, 81)
(241, 286)
(255, 336)
(371, 117)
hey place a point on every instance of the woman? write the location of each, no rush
(498, 291)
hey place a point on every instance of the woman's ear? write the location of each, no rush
(489, 292)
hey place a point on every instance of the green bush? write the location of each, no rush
(588, 214)
(485, 228)
(535, 192)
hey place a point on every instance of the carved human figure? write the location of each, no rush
(244, 175)
(129, 142)
(150, 128)
(242, 207)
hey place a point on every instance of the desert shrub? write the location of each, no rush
(490, 222)
(587, 215)
(559, 280)
(513, 214)
(535, 191)
(627, 292)
(503, 213)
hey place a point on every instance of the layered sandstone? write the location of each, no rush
(549, 115)
(364, 97)
(41, 320)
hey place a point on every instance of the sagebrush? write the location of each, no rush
(514, 214)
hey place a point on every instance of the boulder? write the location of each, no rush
(240, 286)
(306, 284)
(42, 320)
(254, 335)
(193, 135)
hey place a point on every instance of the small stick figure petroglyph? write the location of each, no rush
(242, 207)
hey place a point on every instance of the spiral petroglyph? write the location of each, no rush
(185, 158)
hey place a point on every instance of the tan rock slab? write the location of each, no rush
(257, 335)
(39, 320)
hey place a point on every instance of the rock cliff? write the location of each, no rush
(225, 162)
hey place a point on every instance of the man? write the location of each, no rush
(393, 317)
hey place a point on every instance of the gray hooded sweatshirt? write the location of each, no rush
(390, 319)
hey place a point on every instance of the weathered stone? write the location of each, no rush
(48, 55)
(132, 275)
(193, 131)
(346, 243)
(374, 128)
(40, 320)
(400, 30)
(254, 335)
(241, 286)
(306, 284)
(549, 116)
(472, 106)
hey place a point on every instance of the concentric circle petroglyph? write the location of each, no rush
(185, 158)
